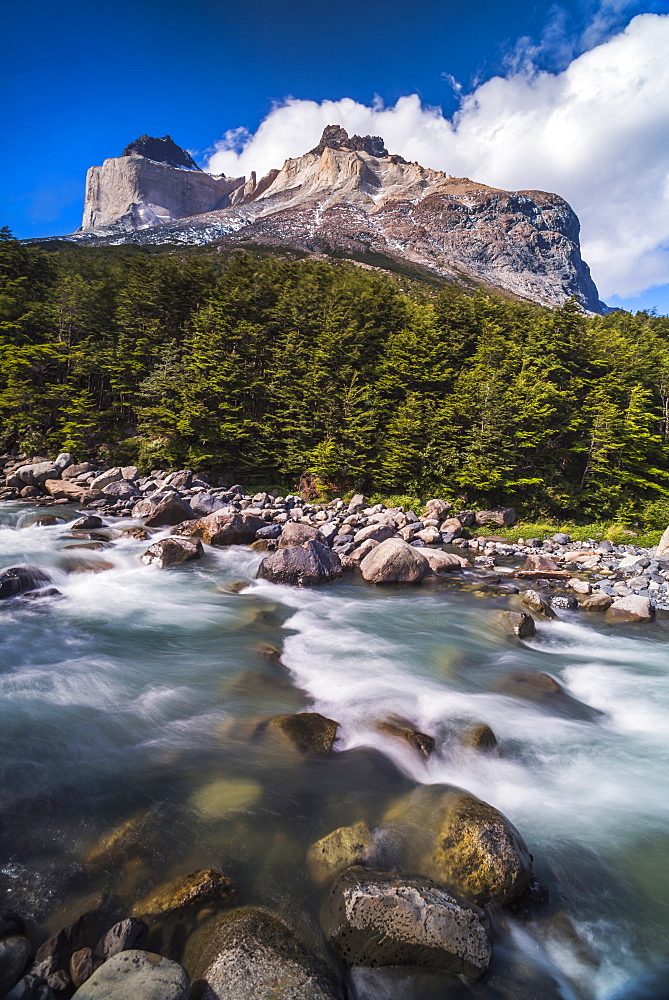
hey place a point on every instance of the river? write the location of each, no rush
(130, 690)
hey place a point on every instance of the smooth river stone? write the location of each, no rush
(136, 975)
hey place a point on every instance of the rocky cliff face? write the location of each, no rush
(349, 197)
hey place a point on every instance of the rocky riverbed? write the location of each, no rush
(258, 747)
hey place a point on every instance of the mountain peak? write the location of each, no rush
(336, 137)
(163, 150)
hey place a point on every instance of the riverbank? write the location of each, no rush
(141, 696)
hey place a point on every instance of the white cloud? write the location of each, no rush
(596, 133)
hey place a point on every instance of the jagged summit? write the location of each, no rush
(347, 197)
(336, 137)
(163, 150)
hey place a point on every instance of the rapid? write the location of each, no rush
(130, 690)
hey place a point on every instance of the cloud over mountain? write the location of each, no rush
(597, 133)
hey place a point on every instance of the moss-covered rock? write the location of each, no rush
(346, 846)
(200, 887)
(463, 843)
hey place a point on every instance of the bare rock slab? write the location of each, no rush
(378, 918)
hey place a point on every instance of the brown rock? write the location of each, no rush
(82, 966)
(222, 529)
(538, 604)
(479, 737)
(295, 533)
(518, 622)
(394, 561)
(597, 602)
(172, 552)
(62, 489)
(200, 887)
(542, 565)
(308, 732)
(398, 728)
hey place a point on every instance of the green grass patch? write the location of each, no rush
(618, 534)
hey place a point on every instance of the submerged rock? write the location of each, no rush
(224, 796)
(346, 846)
(189, 890)
(254, 955)
(394, 561)
(172, 552)
(306, 565)
(463, 843)
(540, 687)
(376, 918)
(136, 975)
(479, 737)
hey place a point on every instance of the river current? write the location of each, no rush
(129, 692)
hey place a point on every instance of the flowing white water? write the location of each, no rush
(111, 697)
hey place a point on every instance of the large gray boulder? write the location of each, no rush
(394, 561)
(164, 509)
(301, 565)
(121, 490)
(504, 517)
(444, 562)
(376, 918)
(205, 503)
(295, 533)
(136, 975)
(376, 532)
(37, 474)
(254, 955)
(631, 609)
(172, 552)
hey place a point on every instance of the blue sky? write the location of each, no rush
(81, 80)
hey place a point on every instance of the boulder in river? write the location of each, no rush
(631, 609)
(345, 846)
(518, 622)
(18, 579)
(200, 887)
(172, 552)
(479, 737)
(376, 919)
(253, 955)
(164, 509)
(535, 685)
(394, 561)
(597, 602)
(538, 604)
(306, 565)
(222, 529)
(132, 975)
(308, 732)
(463, 843)
(444, 562)
(402, 730)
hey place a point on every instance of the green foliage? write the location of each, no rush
(282, 370)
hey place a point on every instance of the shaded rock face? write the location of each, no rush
(348, 196)
(254, 955)
(301, 565)
(222, 529)
(19, 579)
(163, 150)
(377, 919)
(165, 509)
(308, 732)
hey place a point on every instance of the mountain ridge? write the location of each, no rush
(348, 195)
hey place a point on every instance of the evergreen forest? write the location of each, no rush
(280, 371)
